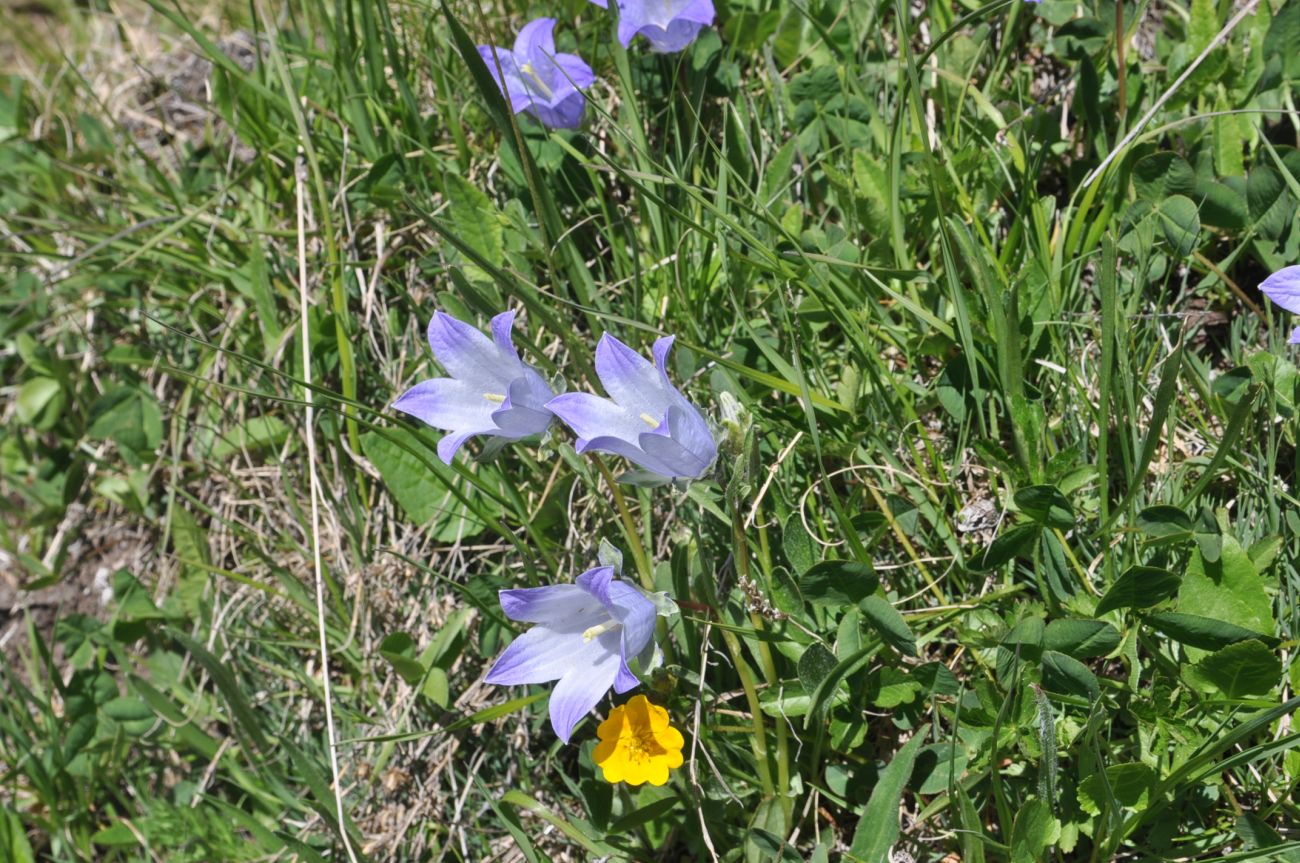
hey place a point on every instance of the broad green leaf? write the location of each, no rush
(1127, 786)
(1046, 505)
(886, 620)
(1139, 587)
(13, 838)
(128, 415)
(1066, 675)
(1007, 547)
(1164, 520)
(877, 828)
(814, 665)
(421, 492)
(838, 583)
(1034, 830)
(1203, 633)
(1180, 224)
(798, 545)
(1160, 175)
(1238, 670)
(40, 402)
(1230, 590)
(1082, 639)
(475, 222)
(257, 433)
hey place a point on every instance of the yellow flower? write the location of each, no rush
(637, 744)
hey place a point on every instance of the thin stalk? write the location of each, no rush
(630, 531)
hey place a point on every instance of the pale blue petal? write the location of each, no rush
(574, 71)
(502, 325)
(536, 39)
(563, 114)
(470, 356)
(1295, 337)
(1283, 288)
(448, 404)
(679, 461)
(688, 427)
(593, 417)
(507, 77)
(593, 671)
(540, 655)
(697, 11)
(550, 604)
(451, 443)
(630, 379)
(676, 36)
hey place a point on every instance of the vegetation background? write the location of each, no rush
(1005, 568)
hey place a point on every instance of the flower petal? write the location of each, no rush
(593, 417)
(536, 39)
(448, 404)
(574, 71)
(565, 113)
(687, 426)
(450, 443)
(592, 673)
(695, 11)
(1283, 288)
(507, 77)
(627, 605)
(631, 381)
(470, 356)
(502, 325)
(550, 605)
(680, 462)
(676, 36)
(1295, 337)
(539, 655)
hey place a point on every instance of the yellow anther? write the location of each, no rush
(650, 421)
(495, 398)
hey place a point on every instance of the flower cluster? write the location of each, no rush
(583, 635)
(538, 80)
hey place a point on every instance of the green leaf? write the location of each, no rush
(1230, 589)
(116, 836)
(1034, 831)
(1126, 786)
(892, 687)
(886, 620)
(1139, 587)
(798, 545)
(877, 828)
(1081, 639)
(814, 665)
(1046, 505)
(838, 583)
(1007, 547)
(1238, 670)
(13, 839)
(256, 433)
(129, 416)
(1160, 175)
(1163, 521)
(1203, 633)
(1180, 223)
(399, 649)
(40, 402)
(1066, 675)
(421, 492)
(474, 220)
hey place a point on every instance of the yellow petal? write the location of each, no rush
(604, 749)
(673, 759)
(613, 770)
(670, 738)
(657, 774)
(612, 727)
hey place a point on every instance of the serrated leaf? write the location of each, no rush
(1238, 670)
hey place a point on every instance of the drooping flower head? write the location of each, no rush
(490, 392)
(585, 634)
(535, 79)
(669, 25)
(1283, 288)
(646, 419)
(637, 744)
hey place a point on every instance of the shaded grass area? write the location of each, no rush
(998, 562)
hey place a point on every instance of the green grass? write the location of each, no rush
(981, 399)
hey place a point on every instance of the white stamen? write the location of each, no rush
(599, 629)
(495, 398)
(650, 421)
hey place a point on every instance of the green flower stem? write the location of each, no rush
(758, 740)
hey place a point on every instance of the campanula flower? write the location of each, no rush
(585, 635)
(637, 744)
(490, 392)
(538, 80)
(646, 419)
(1283, 288)
(669, 25)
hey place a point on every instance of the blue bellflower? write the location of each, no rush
(1283, 288)
(584, 635)
(539, 81)
(669, 25)
(490, 391)
(646, 419)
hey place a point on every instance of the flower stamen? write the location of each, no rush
(650, 421)
(495, 398)
(598, 630)
(528, 70)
